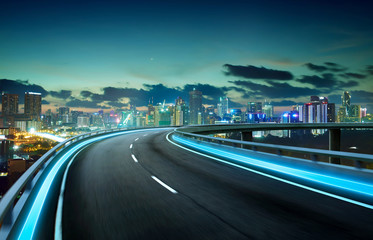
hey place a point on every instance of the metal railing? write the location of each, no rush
(10, 205)
(358, 158)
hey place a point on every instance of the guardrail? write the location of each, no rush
(358, 158)
(10, 205)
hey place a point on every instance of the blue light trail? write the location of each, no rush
(336, 183)
(29, 225)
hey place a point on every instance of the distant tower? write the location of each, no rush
(179, 101)
(319, 110)
(33, 105)
(195, 106)
(268, 110)
(346, 101)
(9, 104)
(222, 106)
(254, 107)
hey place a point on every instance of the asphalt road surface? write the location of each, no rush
(140, 186)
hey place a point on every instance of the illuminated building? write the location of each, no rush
(346, 100)
(363, 112)
(33, 105)
(9, 104)
(181, 113)
(348, 112)
(254, 107)
(149, 118)
(222, 106)
(319, 110)
(162, 116)
(268, 110)
(195, 107)
(299, 109)
(83, 121)
(290, 117)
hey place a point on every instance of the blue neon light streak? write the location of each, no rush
(365, 189)
(29, 226)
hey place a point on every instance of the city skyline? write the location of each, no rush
(93, 55)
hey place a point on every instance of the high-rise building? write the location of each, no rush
(195, 107)
(363, 112)
(299, 109)
(179, 101)
(149, 118)
(83, 121)
(63, 110)
(331, 112)
(254, 107)
(33, 105)
(75, 115)
(355, 111)
(346, 102)
(318, 110)
(268, 110)
(342, 114)
(348, 112)
(222, 106)
(346, 99)
(9, 104)
(181, 112)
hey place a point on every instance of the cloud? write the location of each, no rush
(331, 64)
(63, 94)
(252, 72)
(155, 93)
(348, 84)
(353, 75)
(118, 104)
(316, 68)
(207, 89)
(328, 66)
(327, 80)
(20, 87)
(85, 104)
(276, 90)
(285, 103)
(369, 69)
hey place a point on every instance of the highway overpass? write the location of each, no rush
(154, 183)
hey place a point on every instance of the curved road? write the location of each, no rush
(165, 192)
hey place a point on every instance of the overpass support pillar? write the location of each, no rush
(246, 136)
(335, 144)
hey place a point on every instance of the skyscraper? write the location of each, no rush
(222, 106)
(181, 112)
(195, 107)
(268, 110)
(346, 102)
(33, 105)
(179, 101)
(254, 107)
(9, 104)
(346, 99)
(318, 110)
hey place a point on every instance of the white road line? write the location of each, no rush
(145, 135)
(134, 158)
(164, 185)
(131, 145)
(136, 139)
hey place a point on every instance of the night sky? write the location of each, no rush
(107, 54)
